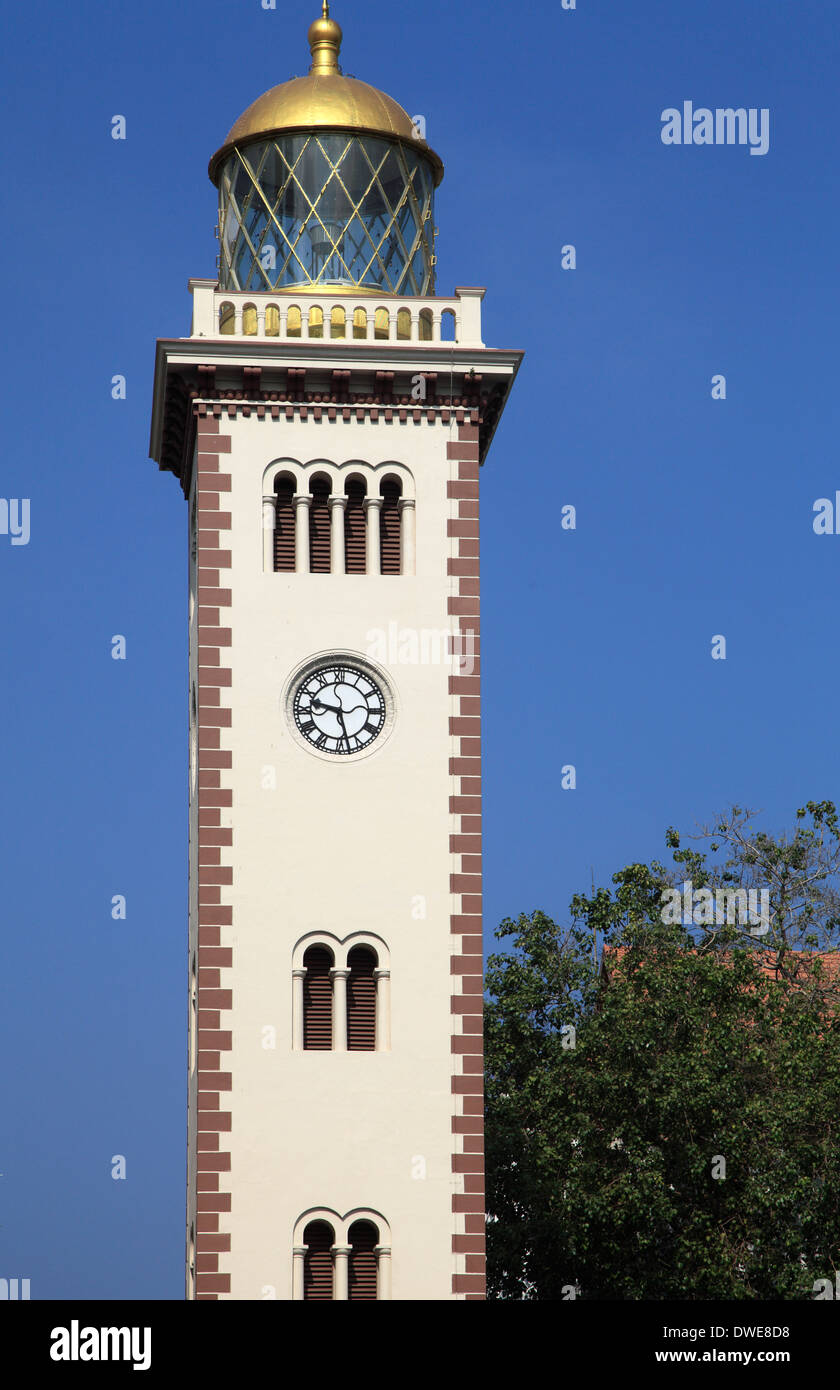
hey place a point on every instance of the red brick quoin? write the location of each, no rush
(465, 844)
(215, 915)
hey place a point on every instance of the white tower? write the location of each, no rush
(327, 431)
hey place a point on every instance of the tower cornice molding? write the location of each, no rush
(321, 381)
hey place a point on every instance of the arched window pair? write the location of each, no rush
(345, 533)
(342, 1259)
(341, 1007)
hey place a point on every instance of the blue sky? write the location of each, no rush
(694, 516)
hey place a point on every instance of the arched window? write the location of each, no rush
(284, 523)
(293, 322)
(249, 319)
(361, 1000)
(318, 1237)
(317, 1000)
(403, 323)
(316, 321)
(363, 1238)
(337, 322)
(354, 527)
(381, 323)
(359, 323)
(389, 527)
(272, 321)
(319, 527)
(447, 326)
(227, 318)
(426, 325)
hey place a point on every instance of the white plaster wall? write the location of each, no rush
(340, 845)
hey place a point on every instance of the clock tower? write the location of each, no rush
(327, 418)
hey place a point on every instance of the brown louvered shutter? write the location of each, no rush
(317, 1000)
(354, 528)
(319, 528)
(363, 1238)
(361, 1000)
(389, 528)
(318, 1263)
(284, 525)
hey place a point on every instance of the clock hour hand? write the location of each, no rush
(322, 704)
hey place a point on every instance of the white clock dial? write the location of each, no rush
(338, 708)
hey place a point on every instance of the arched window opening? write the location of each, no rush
(249, 319)
(293, 322)
(319, 527)
(337, 322)
(447, 326)
(381, 323)
(317, 1000)
(272, 321)
(354, 527)
(403, 323)
(227, 318)
(318, 1237)
(361, 1000)
(316, 321)
(284, 523)
(426, 325)
(363, 1239)
(359, 323)
(389, 527)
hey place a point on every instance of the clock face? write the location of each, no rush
(339, 709)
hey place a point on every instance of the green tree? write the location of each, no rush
(663, 1124)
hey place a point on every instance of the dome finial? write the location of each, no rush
(324, 44)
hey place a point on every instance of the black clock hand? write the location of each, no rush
(322, 704)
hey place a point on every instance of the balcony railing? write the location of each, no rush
(308, 317)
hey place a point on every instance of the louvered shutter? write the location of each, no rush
(319, 528)
(284, 526)
(318, 1262)
(317, 1000)
(363, 1239)
(354, 529)
(361, 1000)
(389, 528)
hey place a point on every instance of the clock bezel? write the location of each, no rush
(332, 657)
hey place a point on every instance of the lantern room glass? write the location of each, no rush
(326, 210)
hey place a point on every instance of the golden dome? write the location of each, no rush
(324, 100)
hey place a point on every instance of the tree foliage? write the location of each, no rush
(662, 1123)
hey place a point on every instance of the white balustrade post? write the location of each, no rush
(373, 506)
(298, 978)
(337, 505)
(299, 1255)
(339, 979)
(269, 520)
(303, 502)
(383, 1271)
(383, 1010)
(408, 536)
(341, 1275)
